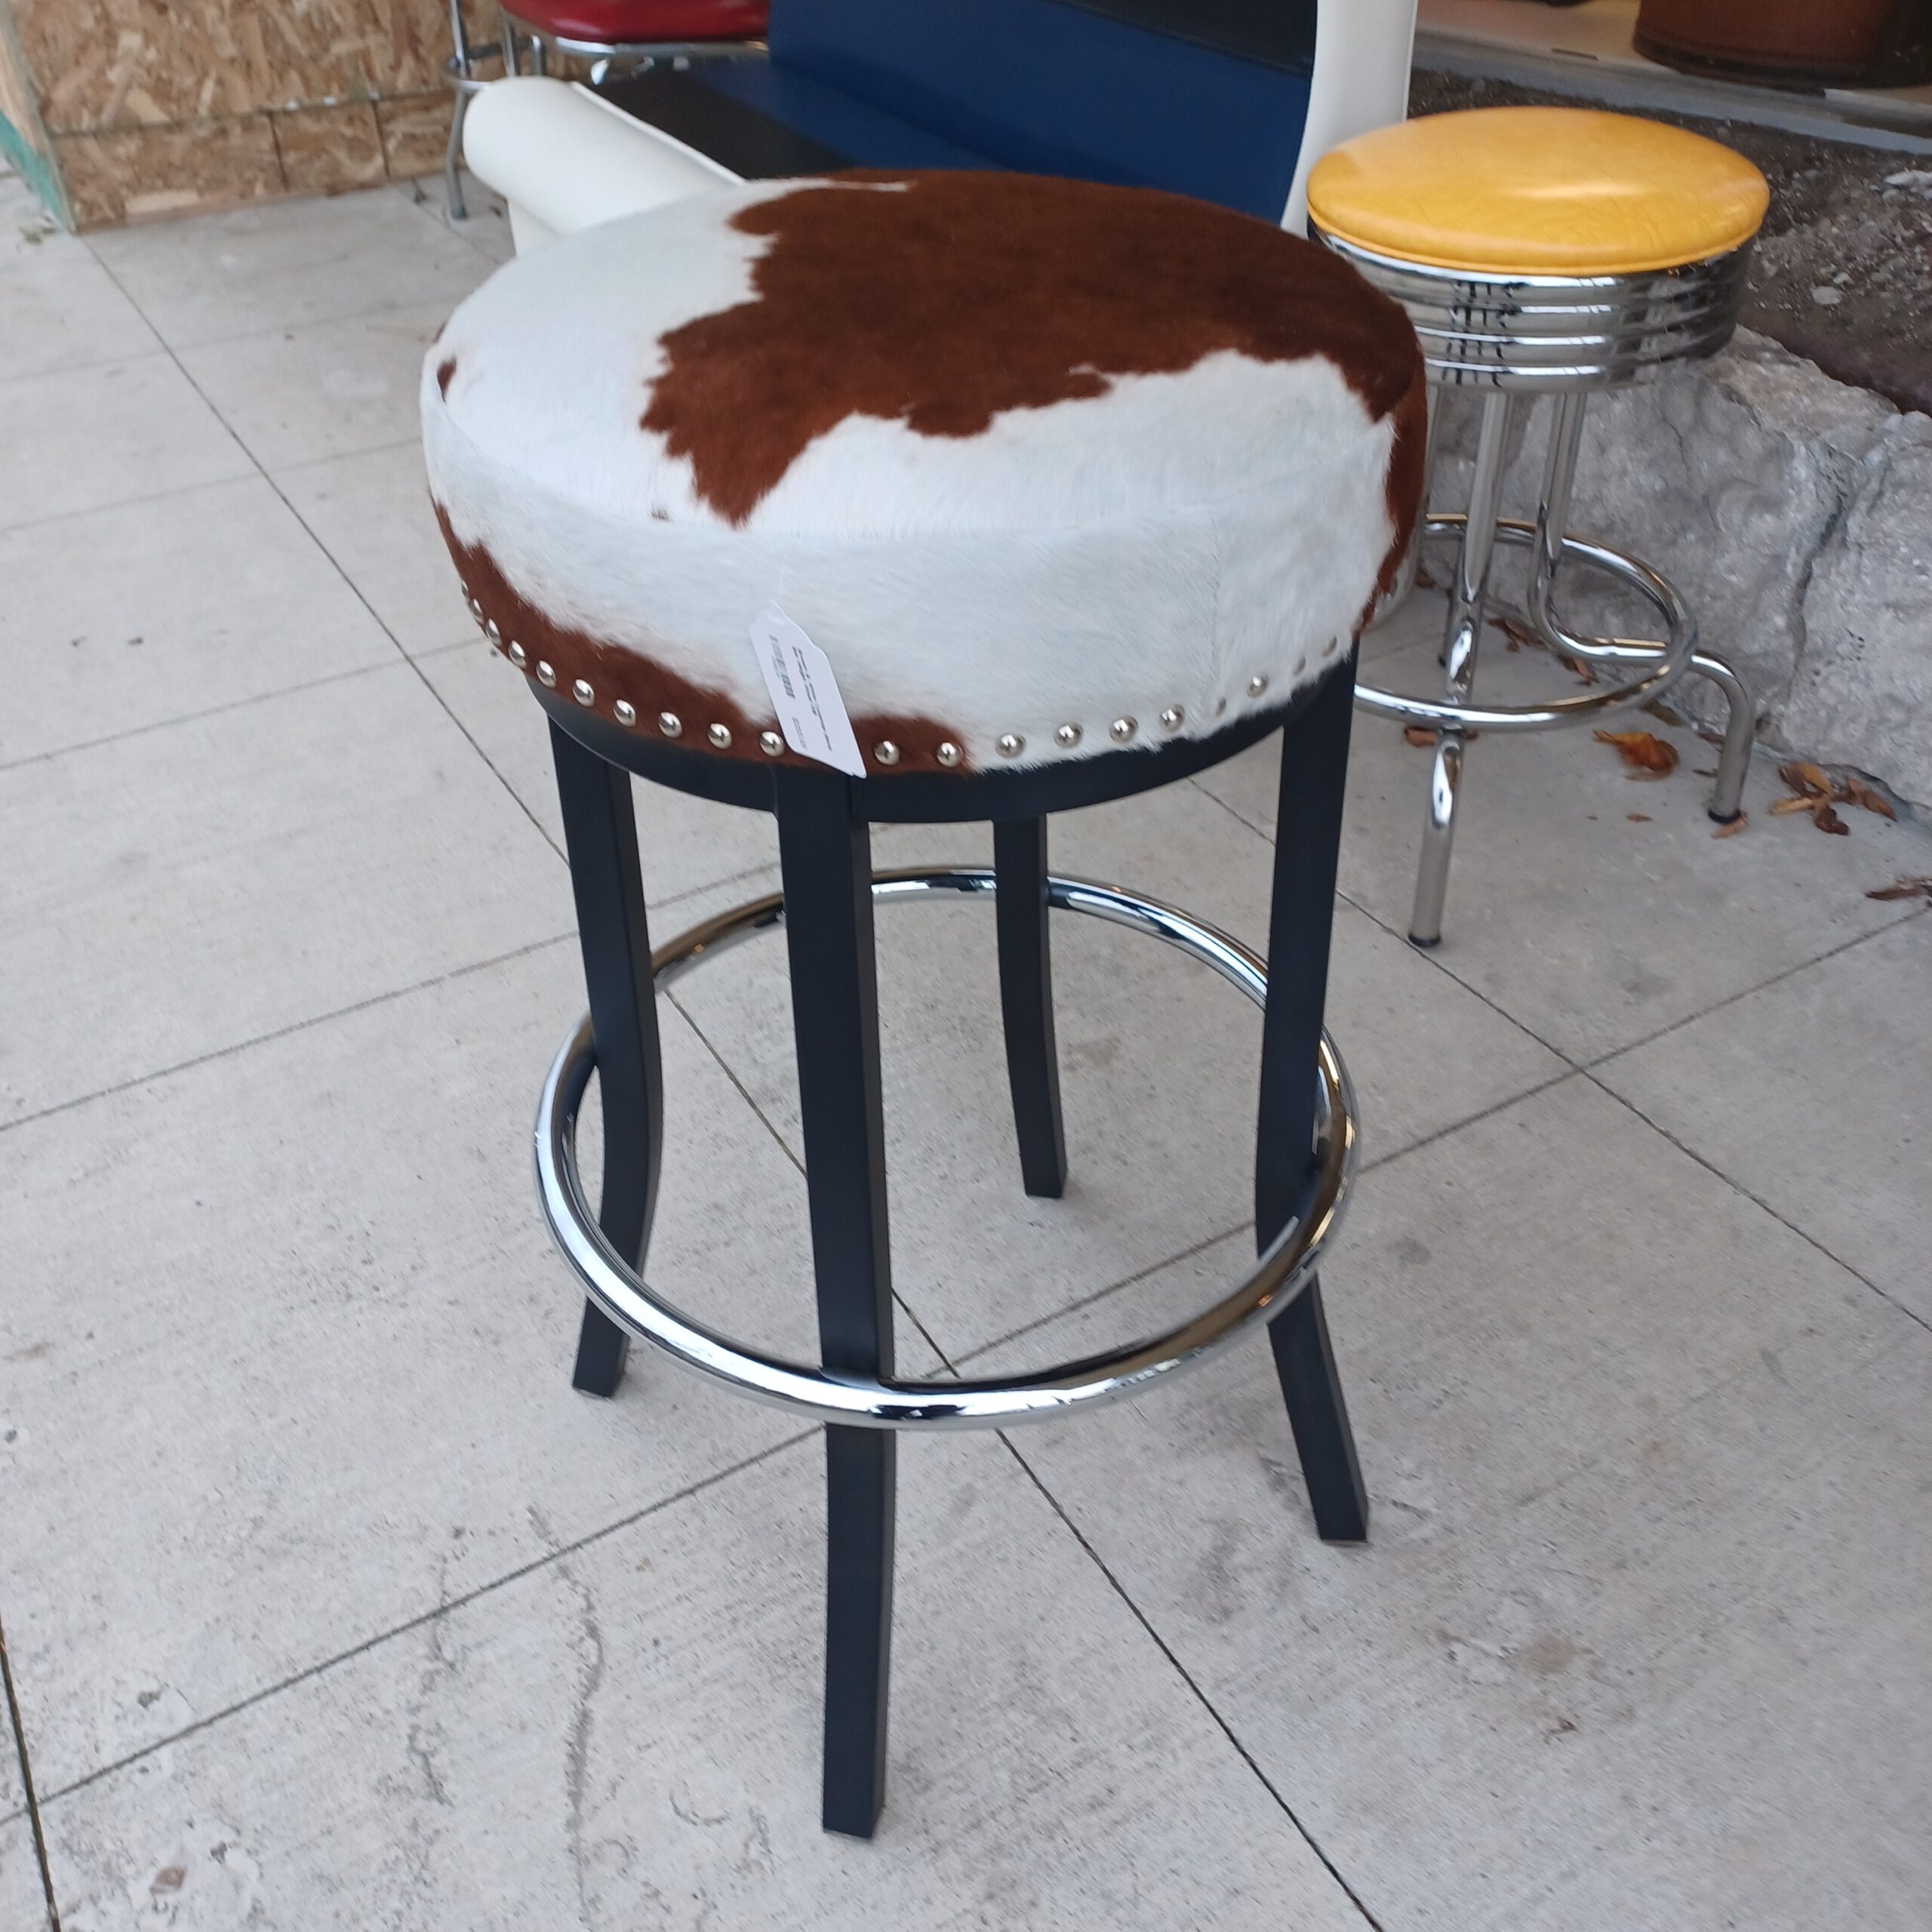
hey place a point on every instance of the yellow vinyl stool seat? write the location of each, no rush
(1552, 251)
(1538, 191)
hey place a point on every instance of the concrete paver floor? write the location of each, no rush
(329, 1605)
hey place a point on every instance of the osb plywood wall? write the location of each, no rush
(155, 106)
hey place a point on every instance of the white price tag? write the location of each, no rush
(811, 714)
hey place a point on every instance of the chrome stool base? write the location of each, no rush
(1511, 335)
(1284, 1268)
(1656, 664)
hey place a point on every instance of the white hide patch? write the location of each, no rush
(1159, 545)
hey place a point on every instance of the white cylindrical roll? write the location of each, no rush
(565, 159)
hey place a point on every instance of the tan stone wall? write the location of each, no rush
(154, 107)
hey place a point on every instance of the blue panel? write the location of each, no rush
(866, 135)
(1060, 90)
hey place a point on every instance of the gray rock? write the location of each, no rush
(1863, 693)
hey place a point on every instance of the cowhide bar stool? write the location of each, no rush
(1057, 492)
(1546, 250)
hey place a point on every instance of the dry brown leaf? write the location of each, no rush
(1903, 888)
(1826, 819)
(1638, 818)
(1420, 735)
(1731, 830)
(1857, 793)
(1644, 750)
(1423, 578)
(1808, 781)
(1780, 807)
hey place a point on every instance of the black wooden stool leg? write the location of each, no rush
(1026, 1002)
(600, 834)
(1314, 755)
(825, 848)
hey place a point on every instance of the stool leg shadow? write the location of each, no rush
(1315, 754)
(600, 833)
(1026, 1003)
(825, 853)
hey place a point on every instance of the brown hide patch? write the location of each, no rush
(944, 300)
(445, 374)
(614, 672)
(1407, 478)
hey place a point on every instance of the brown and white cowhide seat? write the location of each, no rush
(1045, 468)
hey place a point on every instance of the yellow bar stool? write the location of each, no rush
(1545, 250)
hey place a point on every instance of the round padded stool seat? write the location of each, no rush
(1046, 468)
(1538, 191)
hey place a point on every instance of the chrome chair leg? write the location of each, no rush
(1740, 733)
(1469, 594)
(453, 159)
(1552, 519)
(458, 68)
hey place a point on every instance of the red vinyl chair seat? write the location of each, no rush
(641, 22)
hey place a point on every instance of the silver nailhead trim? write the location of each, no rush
(886, 751)
(1067, 736)
(771, 743)
(1011, 745)
(518, 656)
(1257, 685)
(545, 676)
(720, 735)
(625, 713)
(490, 631)
(670, 723)
(583, 693)
(1173, 719)
(948, 753)
(1122, 729)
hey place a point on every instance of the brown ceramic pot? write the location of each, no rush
(1855, 42)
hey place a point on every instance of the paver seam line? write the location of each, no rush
(355, 589)
(1892, 925)
(1758, 1200)
(30, 1804)
(425, 1618)
(1160, 1643)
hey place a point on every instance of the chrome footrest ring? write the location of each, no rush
(1664, 663)
(1282, 1271)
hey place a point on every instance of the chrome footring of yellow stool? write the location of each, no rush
(1283, 1270)
(1518, 336)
